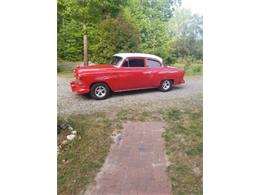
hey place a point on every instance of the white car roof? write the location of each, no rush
(125, 55)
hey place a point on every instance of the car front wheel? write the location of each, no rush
(99, 91)
(166, 85)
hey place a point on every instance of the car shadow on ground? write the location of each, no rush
(135, 92)
(143, 91)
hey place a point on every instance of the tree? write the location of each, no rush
(150, 26)
(151, 17)
(86, 13)
(114, 35)
(187, 32)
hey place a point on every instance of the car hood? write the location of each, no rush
(92, 68)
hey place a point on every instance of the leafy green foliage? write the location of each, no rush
(150, 17)
(70, 41)
(186, 30)
(79, 17)
(113, 35)
(190, 65)
(150, 26)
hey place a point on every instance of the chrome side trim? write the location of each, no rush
(135, 89)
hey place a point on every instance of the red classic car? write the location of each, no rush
(128, 71)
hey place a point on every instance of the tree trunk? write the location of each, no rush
(85, 42)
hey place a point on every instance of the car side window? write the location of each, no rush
(153, 63)
(134, 63)
(125, 63)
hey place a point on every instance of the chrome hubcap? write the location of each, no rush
(166, 85)
(100, 91)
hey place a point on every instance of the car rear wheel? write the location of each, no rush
(166, 85)
(99, 91)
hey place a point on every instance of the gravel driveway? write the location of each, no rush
(70, 103)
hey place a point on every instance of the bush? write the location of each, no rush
(113, 35)
(191, 66)
(64, 66)
(179, 65)
(185, 60)
(197, 68)
(69, 45)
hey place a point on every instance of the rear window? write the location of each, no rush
(153, 63)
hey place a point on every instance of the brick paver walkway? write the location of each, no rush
(136, 163)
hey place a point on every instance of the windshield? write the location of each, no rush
(116, 60)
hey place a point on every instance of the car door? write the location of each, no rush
(132, 74)
(152, 72)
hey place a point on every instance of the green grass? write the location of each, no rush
(192, 69)
(81, 159)
(136, 114)
(184, 148)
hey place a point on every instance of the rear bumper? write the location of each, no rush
(181, 81)
(78, 89)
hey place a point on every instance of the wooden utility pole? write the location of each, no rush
(85, 43)
(85, 38)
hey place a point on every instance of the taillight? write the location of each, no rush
(78, 80)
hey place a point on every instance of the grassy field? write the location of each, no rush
(81, 159)
(184, 148)
(192, 69)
